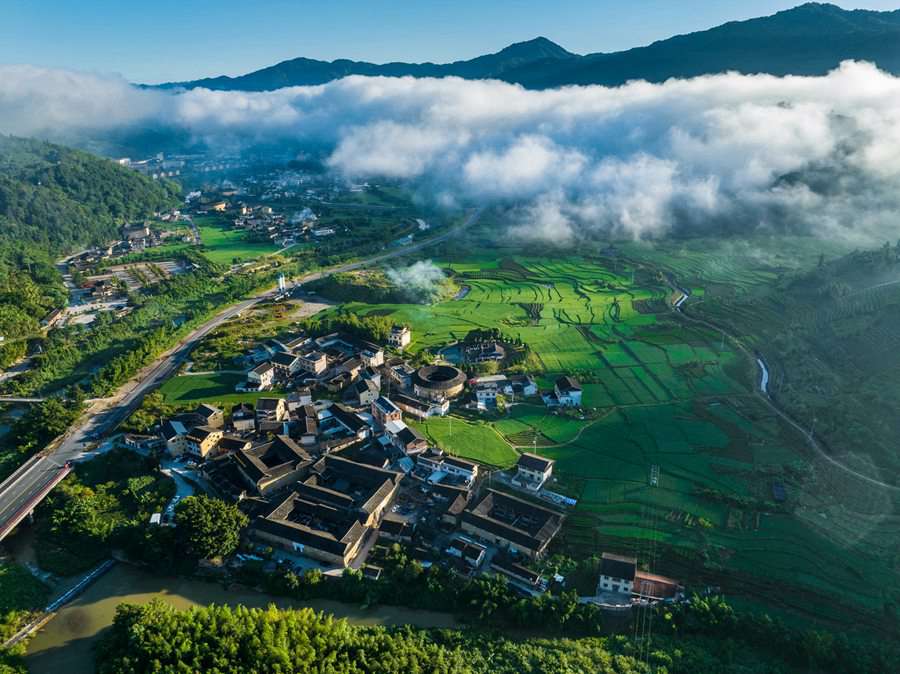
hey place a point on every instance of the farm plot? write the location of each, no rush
(533, 424)
(667, 395)
(471, 440)
(224, 245)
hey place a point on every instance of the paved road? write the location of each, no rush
(26, 488)
(22, 366)
(104, 415)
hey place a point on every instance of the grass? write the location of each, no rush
(471, 440)
(215, 388)
(528, 422)
(224, 245)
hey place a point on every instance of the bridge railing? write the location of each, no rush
(33, 500)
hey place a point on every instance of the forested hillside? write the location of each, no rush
(58, 198)
(830, 336)
(52, 200)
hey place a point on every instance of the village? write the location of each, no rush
(330, 472)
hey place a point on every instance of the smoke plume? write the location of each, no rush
(741, 153)
(421, 282)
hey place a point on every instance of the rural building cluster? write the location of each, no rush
(329, 465)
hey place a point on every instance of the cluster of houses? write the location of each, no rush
(327, 479)
(620, 580)
(134, 237)
(322, 479)
(263, 224)
(155, 167)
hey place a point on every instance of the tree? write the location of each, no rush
(208, 527)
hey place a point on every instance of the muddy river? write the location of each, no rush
(66, 643)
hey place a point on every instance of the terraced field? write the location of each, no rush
(670, 398)
(471, 440)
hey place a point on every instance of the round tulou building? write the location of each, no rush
(438, 382)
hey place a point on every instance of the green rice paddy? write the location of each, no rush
(661, 393)
(471, 440)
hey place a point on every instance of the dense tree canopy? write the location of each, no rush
(209, 527)
(157, 638)
(54, 199)
(57, 198)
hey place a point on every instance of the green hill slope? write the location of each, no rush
(58, 198)
(52, 200)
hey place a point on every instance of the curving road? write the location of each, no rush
(23, 489)
(765, 396)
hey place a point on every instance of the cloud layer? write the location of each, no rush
(818, 154)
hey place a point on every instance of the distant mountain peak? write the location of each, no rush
(537, 48)
(810, 39)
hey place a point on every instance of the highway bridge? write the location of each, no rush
(24, 489)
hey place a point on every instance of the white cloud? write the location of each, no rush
(820, 153)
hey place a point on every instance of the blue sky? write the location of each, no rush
(156, 40)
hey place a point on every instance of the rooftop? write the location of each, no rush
(514, 519)
(317, 525)
(385, 406)
(271, 459)
(349, 484)
(617, 566)
(268, 404)
(531, 461)
(568, 384)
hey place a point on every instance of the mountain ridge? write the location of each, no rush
(809, 39)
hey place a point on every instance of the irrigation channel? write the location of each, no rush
(66, 642)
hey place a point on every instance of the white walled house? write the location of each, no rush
(468, 470)
(286, 364)
(568, 392)
(532, 471)
(315, 363)
(261, 377)
(486, 393)
(174, 434)
(617, 573)
(372, 356)
(400, 337)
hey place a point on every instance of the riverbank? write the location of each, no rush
(66, 642)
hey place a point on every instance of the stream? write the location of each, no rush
(764, 380)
